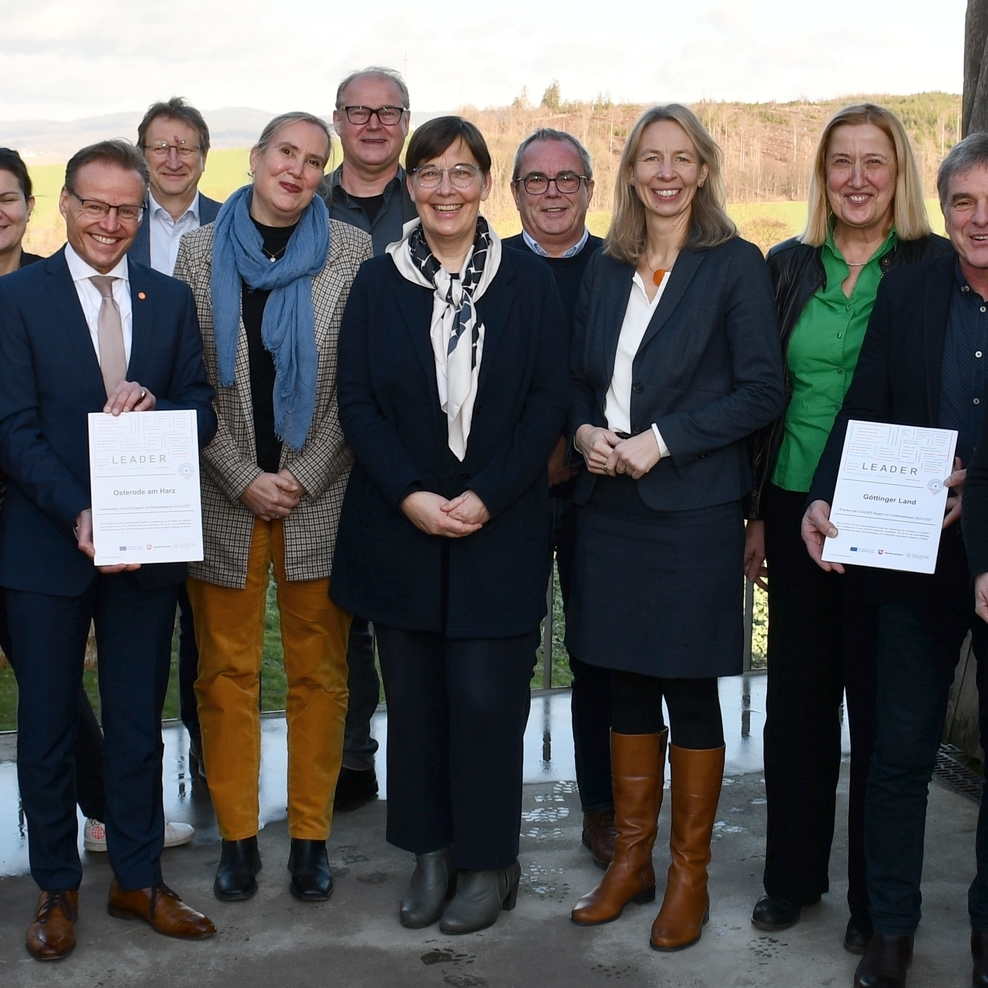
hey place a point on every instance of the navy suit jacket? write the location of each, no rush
(897, 379)
(708, 371)
(140, 249)
(387, 569)
(49, 380)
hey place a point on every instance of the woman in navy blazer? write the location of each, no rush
(452, 392)
(675, 362)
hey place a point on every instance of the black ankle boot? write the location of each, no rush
(480, 897)
(433, 882)
(240, 861)
(885, 963)
(309, 865)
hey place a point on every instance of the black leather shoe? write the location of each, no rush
(979, 954)
(309, 865)
(197, 766)
(433, 882)
(480, 897)
(858, 934)
(354, 788)
(774, 913)
(885, 963)
(240, 861)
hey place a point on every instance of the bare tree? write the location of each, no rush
(975, 115)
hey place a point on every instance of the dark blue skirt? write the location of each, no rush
(656, 592)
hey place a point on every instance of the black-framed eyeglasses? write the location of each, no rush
(387, 115)
(97, 209)
(537, 184)
(431, 177)
(185, 151)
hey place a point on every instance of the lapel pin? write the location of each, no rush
(141, 296)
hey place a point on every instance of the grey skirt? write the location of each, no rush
(656, 592)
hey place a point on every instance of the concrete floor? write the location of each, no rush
(355, 939)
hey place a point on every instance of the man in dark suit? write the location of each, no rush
(922, 363)
(84, 331)
(368, 190)
(175, 141)
(552, 183)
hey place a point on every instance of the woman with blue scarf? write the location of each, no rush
(453, 390)
(270, 279)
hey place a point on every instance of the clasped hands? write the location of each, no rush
(436, 515)
(606, 453)
(127, 396)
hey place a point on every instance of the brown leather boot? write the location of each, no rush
(637, 761)
(695, 791)
(599, 836)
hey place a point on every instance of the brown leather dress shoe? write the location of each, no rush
(161, 909)
(51, 935)
(599, 835)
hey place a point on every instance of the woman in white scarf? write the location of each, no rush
(453, 385)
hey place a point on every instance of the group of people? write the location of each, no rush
(406, 418)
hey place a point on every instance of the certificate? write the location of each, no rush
(890, 498)
(144, 476)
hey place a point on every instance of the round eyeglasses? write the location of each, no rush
(387, 115)
(537, 184)
(431, 177)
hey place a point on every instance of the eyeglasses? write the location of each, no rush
(387, 115)
(97, 209)
(431, 177)
(185, 151)
(537, 184)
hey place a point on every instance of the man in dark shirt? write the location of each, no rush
(552, 183)
(368, 191)
(922, 363)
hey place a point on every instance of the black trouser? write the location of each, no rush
(694, 708)
(590, 691)
(821, 645)
(457, 710)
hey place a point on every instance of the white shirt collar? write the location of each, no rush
(81, 271)
(537, 248)
(154, 207)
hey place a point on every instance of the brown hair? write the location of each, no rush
(118, 152)
(437, 134)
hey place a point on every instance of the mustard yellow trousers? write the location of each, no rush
(229, 627)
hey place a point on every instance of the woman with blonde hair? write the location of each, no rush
(866, 216)
(675, 362)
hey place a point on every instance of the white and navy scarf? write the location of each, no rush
(456, 333)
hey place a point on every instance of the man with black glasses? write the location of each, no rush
(552, 183)
(368, 191)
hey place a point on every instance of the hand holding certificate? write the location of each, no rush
(890, 499)
(144, 475)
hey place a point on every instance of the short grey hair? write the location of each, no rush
(381, 72)
(551, 134)
(284, 120)
(970, 153)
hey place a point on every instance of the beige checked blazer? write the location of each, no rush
(229, 462)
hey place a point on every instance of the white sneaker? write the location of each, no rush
(94, 835)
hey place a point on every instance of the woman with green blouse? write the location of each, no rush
(866, 216)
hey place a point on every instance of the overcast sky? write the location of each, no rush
(66, 59)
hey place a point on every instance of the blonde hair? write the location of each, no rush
(709, 223)
(908, 208)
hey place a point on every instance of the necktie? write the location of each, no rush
(112, 361)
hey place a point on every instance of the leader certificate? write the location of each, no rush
(144, 475)
(890, 499)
